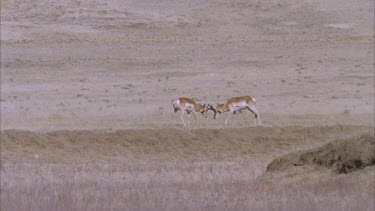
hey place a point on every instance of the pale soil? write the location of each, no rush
(78, 76)
(119, 64)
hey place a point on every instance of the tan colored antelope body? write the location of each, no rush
(236, 104)
(188, 105)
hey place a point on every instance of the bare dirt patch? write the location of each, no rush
(109, 64)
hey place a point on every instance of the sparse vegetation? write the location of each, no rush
(168, 169)
(87, 121)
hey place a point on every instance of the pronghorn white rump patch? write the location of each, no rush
(189, 106)
(239, 105)
(176, 103)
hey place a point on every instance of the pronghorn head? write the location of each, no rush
(202, 109)
(220, 109)
(210, 107)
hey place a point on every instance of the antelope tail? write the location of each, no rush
(255, 101)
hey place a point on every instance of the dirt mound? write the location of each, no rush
(341, 156)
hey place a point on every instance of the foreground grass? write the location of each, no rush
(173, 169)
(135, 185)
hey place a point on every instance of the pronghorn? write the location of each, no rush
(188, 105)
(236, 104)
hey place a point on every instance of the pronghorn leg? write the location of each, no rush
(182, 119)
(234, 120)
(188, 118)
(226, 120)
(256, 113)
(195, 117)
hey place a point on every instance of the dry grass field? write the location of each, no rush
(169, 169)
(87, 121)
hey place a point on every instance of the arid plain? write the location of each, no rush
(87, 120)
